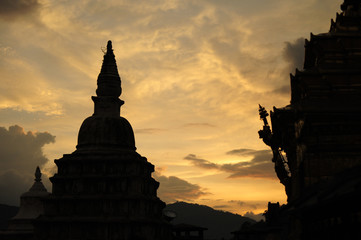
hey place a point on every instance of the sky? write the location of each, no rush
(193, 74)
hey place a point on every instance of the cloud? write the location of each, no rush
(12, 185)
(252, 215)
(260, 165)
(198, 125)
(258, 155)
(199, 162)
(149, 130)
(221, 206)
(20, 153)
(286, 89)
(240, 203)
(240, 206)
(293, 54)
(173, 189)
(247, 205)
(12, 9)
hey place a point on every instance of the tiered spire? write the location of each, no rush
(107, 102)
(108, 79)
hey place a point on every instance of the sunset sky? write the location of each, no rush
(193, 74)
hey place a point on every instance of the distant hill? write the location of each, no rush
(220, 224)
(6, 213)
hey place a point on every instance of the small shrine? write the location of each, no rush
(21, 226)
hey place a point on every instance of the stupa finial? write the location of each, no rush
(37, 174)
(109, 46)
(108, 80)
(37, 186)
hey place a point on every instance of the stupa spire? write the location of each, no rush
(38, 185)
(109, 83)
(106, 128)
(37, 174)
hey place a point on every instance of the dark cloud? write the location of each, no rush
(293, 54)
(173, 189)
(20, 153)
(286, 89)
(260, 166)
(199, 162)
(12, 185)
(12, 9)
(259, 156)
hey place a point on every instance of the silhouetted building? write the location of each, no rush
(188, 232)
(271, 229)
(21, 227)
(104, 190)
(320, 133)
(254, 231)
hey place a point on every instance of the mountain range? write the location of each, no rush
(220, 224)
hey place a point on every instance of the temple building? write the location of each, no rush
(316, 140)
(104, 189)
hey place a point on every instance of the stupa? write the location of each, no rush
(104, 189)
(31, 206)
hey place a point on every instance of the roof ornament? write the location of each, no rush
(109, 82)
(37, 174)
(109, 46)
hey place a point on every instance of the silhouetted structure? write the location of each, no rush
(21, 227)
(219, 223)
(320, 132)
(271, 229)
(104, 190)
(188, 232)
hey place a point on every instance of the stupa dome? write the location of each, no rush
(111, 132)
